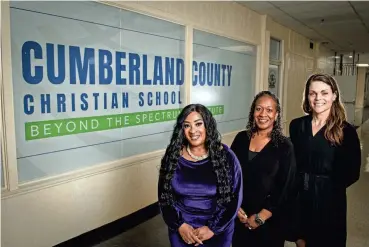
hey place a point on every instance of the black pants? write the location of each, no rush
(266, 235)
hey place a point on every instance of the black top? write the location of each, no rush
(267, 177)
(324, 173)
(252, 154)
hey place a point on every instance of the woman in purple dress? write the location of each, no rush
(200, 182)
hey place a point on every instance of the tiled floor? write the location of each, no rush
(153, 233)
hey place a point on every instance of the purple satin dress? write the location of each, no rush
(195, 186)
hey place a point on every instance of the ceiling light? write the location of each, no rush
(362, 65)
(350, 56)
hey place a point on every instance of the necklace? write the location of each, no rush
(197, 158)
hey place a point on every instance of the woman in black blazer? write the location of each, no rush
(328, 160)
(268, 166)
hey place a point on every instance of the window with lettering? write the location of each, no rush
(223, 76)
(92, 84)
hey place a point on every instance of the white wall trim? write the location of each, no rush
(266, 58)
(10, 156)
(261, 82)
(188, 63)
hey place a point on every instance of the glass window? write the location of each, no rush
(223, 78)
(92, 84)
(273, 78)
(274, 66)
(275, 49)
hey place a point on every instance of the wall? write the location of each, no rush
(53, 210)
(366, 96)
(299, 61)
(50, 211)
(360, 95)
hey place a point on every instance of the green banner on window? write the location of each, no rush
(72, 126)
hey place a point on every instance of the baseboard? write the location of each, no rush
(112, 229)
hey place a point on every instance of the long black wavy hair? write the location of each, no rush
(276, 135)
(217, 156)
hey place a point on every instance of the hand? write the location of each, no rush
(203, 233)
(300, 243)
(187, 233)
(250, 222)
(242, 216)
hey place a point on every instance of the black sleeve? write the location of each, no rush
(237, 142)
(349, 158)
(292, 130)
(284, 180)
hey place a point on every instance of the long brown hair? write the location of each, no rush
(337, 116)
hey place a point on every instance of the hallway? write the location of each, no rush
(153, 233)
(357, 198)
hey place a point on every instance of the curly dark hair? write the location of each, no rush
(217, 156)
(276, 134)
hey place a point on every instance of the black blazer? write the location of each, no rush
(269, 177)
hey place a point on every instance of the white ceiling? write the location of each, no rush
(344, 25)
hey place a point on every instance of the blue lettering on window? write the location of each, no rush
(105, 101)
(84, 104)
(180, 71)
(60, 99)
(134, 69)
(51, 73)
(194, 76)
(173, 98)
(158, 71)
(105, 61)
(223, 69)
(217, 75)
(158, 98)
(28, 104)
(120, 67)
(149, 98)
(166, 98)
(229, 68)
(96, 96)
(26, 62)
(45, 103)
(169, 69)
(202, 74)
(141, 99)
(84, 67)
(146, 81)
(125, 100)
(73, 102)
(114, 101)
(210, 73)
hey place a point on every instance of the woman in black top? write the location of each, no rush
(328, 160)
(268, 165)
